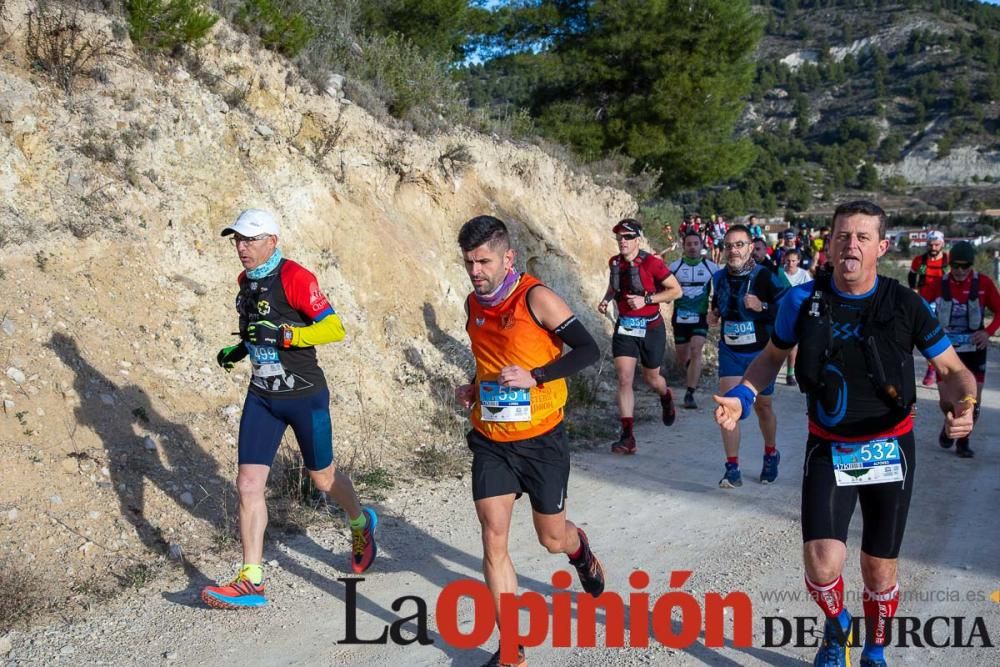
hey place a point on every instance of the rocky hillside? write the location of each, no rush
(891, 96)
(117, 439)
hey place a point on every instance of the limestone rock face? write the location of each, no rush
(120, 289)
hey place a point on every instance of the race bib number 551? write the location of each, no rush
(874, 462)
(504, 404)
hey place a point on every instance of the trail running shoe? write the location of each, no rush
(689, 403)
(364, 547)
(494, 660)
(835, 651)
(790, 380)
(237, 594)
(733, 478)
(962, 448)
(930, 377)
(589, 567)
(769, 472)
(625, 445)
(872, 662)
(944, 440)
(667, 404)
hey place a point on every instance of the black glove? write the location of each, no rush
(228, 356)
(269, 334)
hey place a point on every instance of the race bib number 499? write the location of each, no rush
(874, 462)
(504, 404)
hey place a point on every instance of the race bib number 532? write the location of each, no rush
(874, 462)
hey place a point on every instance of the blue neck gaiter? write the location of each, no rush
(267, 267)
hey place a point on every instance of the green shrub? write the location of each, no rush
(168, 24)
(280, 30)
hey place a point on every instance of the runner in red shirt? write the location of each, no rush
(639, 283)
(964, 322)
(925, 276)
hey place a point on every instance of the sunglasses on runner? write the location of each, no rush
(236, 239)
(627, 237)
(961, 265)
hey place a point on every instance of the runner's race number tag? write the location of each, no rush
(962, 342)
(739, 333)
(687, 317)
(264, 360)
(504, 404)
(632, 326)
(874, 462)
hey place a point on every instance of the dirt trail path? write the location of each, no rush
(658, 511)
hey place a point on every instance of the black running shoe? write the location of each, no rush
(667, 403)
(689, 403)
(589, 568)
(625, 444)
(944, 440)
(962, 448)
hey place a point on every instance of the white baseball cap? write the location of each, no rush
(935, 236)
(253, 222)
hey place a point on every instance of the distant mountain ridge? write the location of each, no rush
(893, 97)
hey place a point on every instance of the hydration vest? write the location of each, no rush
(634, 277)
(922, 271)
(888, 362)
(974, 308)
(742, 314)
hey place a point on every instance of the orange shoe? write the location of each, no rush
(365, 549)
(240, 593)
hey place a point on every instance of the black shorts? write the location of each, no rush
(536, 466)
(648, 350)
(684, 332)
(827, 508)
(976, 363)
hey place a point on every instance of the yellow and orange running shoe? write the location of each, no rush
(240, 593)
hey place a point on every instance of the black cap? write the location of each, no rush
(628, 226)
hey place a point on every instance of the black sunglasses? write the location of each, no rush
(961, 265)
(628, 237)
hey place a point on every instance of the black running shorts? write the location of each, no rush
(827, 508)
(684, 332)
(536, 466)
(648, 350)
(976, 363)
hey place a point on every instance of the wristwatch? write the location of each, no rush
(649, 299)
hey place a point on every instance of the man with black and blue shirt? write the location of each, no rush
(856, 332)
(744, 301)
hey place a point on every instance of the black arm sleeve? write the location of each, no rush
(911, 279)
(583, 352)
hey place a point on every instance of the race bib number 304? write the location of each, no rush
(874, 462)
(739, 333)
(632, 326)
(504, 404)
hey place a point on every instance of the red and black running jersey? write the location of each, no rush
(289, 295)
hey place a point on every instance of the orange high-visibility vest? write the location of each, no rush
(508, 335)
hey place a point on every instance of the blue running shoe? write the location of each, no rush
(364, 547)
(769, 472)
(835, 651)
(872, 662)
(733, 478)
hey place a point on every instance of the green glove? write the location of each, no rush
(228, 356)
(269, 334)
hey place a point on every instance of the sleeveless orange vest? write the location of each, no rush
(507, 335)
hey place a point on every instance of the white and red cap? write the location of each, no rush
(253, 222)
(935, 236)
